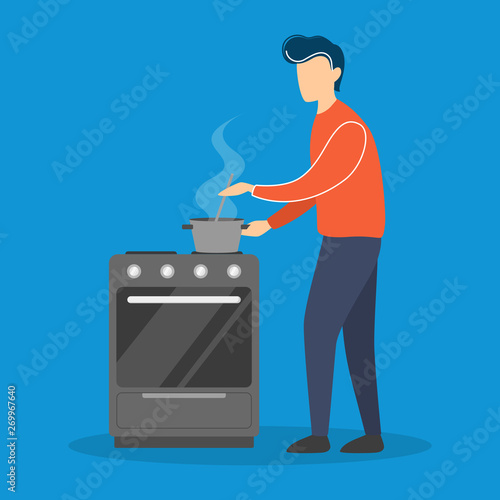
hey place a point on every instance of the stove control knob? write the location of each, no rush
(133, 271)
(167, 271)
(200, 271)
(234, 271)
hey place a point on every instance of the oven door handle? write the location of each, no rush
(181, 299)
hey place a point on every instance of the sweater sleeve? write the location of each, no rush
(290, 212)
(337, 161)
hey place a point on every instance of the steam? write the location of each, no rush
(207, 195)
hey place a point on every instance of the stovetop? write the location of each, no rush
(168, 268)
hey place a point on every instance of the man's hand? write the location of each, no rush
(257, 228)
(237, 189)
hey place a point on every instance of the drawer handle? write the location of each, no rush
(184, 395)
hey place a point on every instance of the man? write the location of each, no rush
(345, 184)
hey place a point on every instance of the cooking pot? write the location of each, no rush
(210, 236)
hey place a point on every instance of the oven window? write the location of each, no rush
(184, 337)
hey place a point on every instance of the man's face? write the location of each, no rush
(316, 79)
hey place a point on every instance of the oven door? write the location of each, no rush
(175, 337)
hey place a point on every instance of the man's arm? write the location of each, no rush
(287, 214)
(337, 161)
(290, 212)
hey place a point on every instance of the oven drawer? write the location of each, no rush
(196, 411)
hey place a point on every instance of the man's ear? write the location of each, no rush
(336, 72)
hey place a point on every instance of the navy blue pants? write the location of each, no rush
(342, 295)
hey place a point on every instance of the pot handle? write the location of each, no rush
(245, 226)
(187, 226)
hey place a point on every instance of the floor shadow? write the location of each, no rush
(270, 445)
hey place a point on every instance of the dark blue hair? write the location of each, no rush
(297, 49)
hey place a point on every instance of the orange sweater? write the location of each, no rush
(344, 182)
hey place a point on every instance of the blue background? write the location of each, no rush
(57, 237)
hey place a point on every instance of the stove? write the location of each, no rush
(184, 349)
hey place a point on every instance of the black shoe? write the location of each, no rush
(311, 444)
(364, 444)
